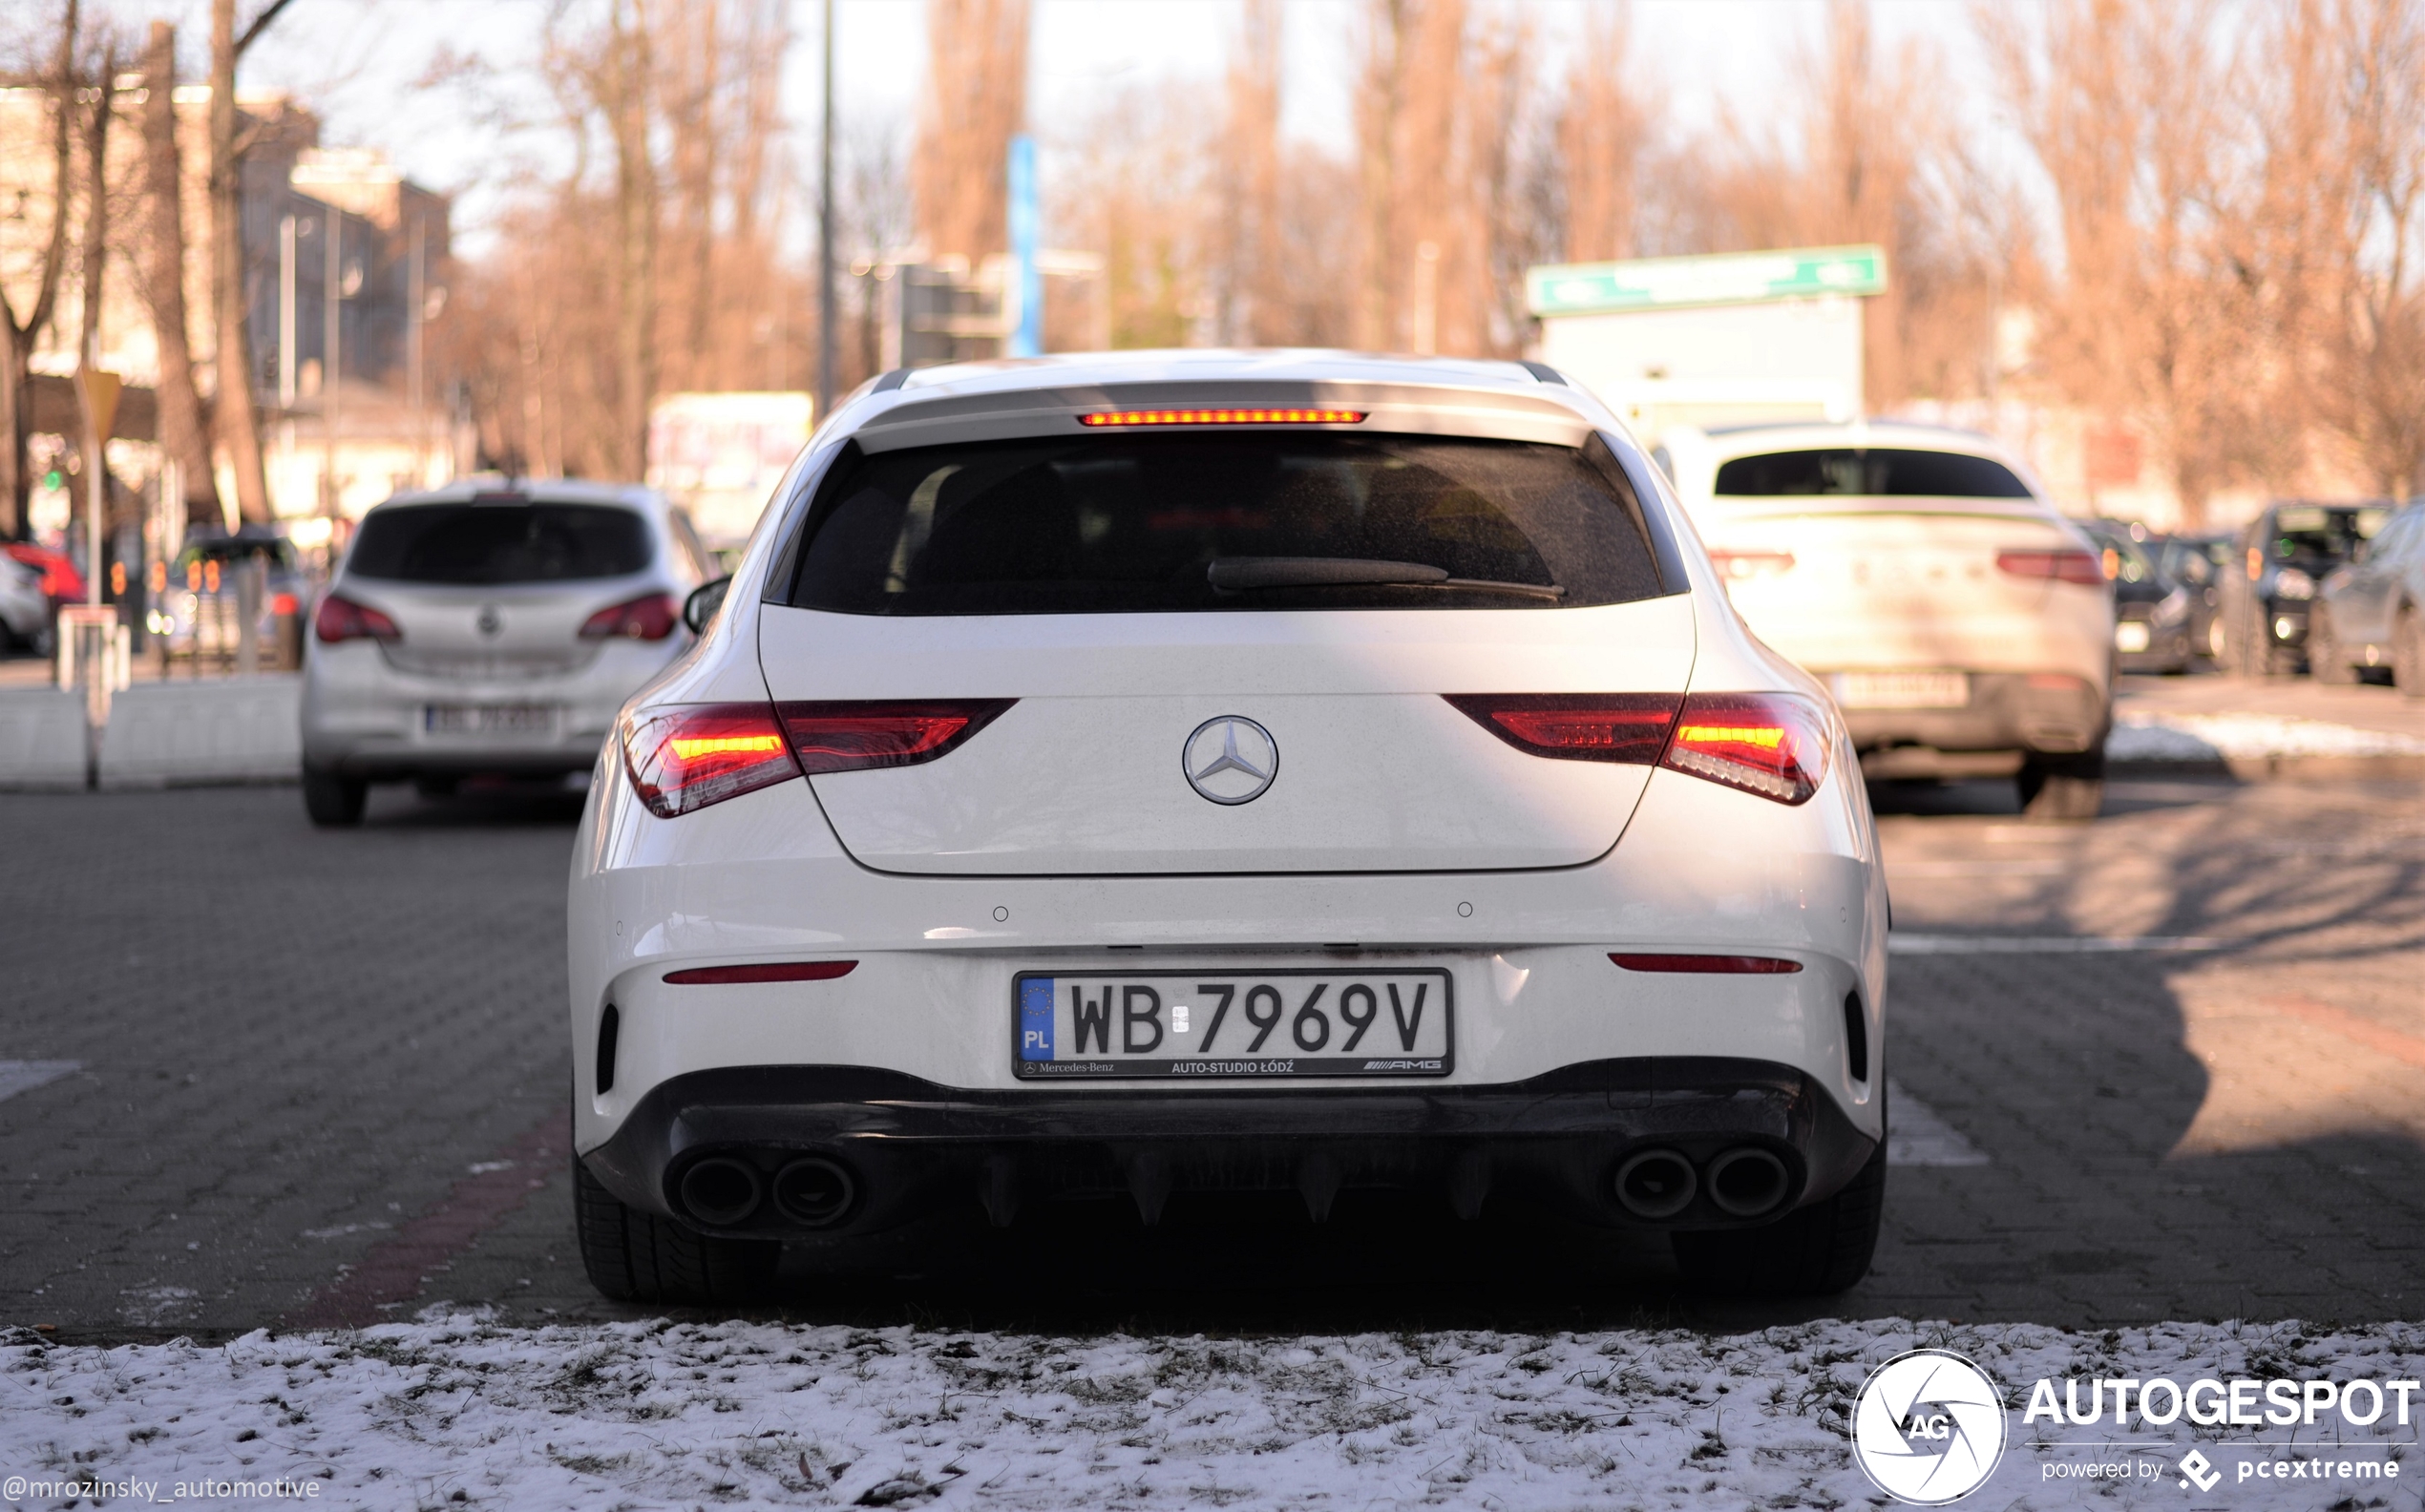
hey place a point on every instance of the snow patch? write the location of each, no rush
(2246, 737)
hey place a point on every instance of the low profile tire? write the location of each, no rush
(2063, 788)
(1816, 1250)
(636, 1256)
(2326, 661)
(2408, 654)
(333, 802)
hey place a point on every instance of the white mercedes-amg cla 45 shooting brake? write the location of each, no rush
(1144, 775)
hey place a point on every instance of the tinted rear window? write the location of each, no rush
(2310, 535)
(1136, 523)
(499, 543)
(1872, 472)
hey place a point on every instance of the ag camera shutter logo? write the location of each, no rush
(1929, 1427)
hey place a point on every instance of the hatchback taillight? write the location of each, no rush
(650, 617)
(688, 756)
(1629, 727)
(343, 619)
(2060, 564)
(856, 736)
(1771, 743)
(1735, 566)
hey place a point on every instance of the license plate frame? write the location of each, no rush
(1400, 1021)
(488, 719)
(1902, 690)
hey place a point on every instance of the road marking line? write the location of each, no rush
(1899, 944)
(2381, 1038)
(24, 1076)
(1918, 1135)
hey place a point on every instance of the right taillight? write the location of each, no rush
(688, 756)
(1771, 743)
(1627, 727)
(343, 619)
(2053, 564)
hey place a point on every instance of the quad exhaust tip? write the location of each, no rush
(814, 1191)
(1656, 1184)
(1747, 1181)
(722, 1191)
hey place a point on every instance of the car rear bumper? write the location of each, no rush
(912, 1147)
(2050, 713)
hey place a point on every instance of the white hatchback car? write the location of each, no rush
(1965, 628)
(488, 628)
(1171, 773)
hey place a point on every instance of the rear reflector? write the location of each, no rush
(1717, 965)
(771, 972)
(650, 617)
(1628, 727)
(2066, 564)
(1737, 565)
(1198, 417)
(342, 620)
(1771, 743)
(858, 736)
(684, 757)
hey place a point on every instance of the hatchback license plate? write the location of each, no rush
(489, 719)
(1222, 1024)
(1903, 690)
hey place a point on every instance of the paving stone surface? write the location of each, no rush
(304, 1054)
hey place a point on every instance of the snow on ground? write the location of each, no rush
(2246, 737)
(453, 1410)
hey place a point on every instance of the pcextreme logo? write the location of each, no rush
(1929, 1427)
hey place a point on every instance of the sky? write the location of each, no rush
(364, 66)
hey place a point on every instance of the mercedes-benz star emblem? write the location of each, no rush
(1230, 760)
(489, 621)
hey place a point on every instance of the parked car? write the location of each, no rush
(2370, 612)
(195, 599)
(61, 583)
(1345, 769)
(487, 628)
(25, 610)
(2152, 613)
(1964, 626)
(2196, 563)
(2282, 555)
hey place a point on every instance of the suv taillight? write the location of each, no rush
(684, 757)
(650, 617)
(1629, 727)
(1771, 743)
(2060, 564)
(343, 619)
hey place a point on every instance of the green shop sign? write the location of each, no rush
(1730, 278)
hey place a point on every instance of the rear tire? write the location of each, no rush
(333, 802)
(2408, 654)
(636, 1256)
(2326, 662)
(2063, 788)
(1816, 1250)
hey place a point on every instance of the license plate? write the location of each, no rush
(1222, 1024)
(489, 719)
(1903, 690)
(2130, 635)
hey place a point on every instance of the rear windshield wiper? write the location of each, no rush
(1241, 574)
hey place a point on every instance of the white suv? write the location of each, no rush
(1965, 628)
(1168, 773)
(488, 628)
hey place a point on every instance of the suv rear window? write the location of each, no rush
(499, 543)
(1243, 521)
(1872, 472)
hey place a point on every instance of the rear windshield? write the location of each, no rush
(1872, 472)
(2311, 534)
(499, 543)
(1246, 520)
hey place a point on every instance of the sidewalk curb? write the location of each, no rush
(2262, 768)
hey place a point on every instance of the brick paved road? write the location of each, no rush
(305, 1057)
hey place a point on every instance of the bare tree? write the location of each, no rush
(2375, 351)
(975, 101)
(1248, 272)
(18, 331)
(162, 277)
(232, 412)
(1603, 128)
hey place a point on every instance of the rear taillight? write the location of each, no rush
(283, 604)
(688, 756)
(766, 972)
(2060, 564)
(343, 619)
(650, 617)
(858, 736)
(1735, 566)
(1771, 743)
(1713, 965)
(1630, 727)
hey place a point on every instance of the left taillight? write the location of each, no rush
(1771, 743)
(650, 617)
(343, 619)
(685, 757)
(858, 736)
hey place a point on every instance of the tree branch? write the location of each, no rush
(261, 24)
